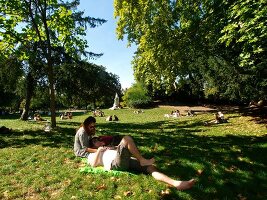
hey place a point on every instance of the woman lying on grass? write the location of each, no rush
(118, 158)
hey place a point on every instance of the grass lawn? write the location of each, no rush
(228, 160)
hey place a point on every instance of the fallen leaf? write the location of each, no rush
(165, 192)
(102, 187)
(117, 197)
(5, 193)
(199, 172)
(67, 160)
(128, 193)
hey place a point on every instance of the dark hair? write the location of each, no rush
(88, 121)
(92, 141)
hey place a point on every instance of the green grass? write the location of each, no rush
(38, 165)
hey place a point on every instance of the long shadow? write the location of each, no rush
(231, 165)
(62, 137)
(17, 115)
(10, 116)
(259, 114)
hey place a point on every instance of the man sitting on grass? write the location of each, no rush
(119, 158)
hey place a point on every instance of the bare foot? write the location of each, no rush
(184, 185)
(146, 162)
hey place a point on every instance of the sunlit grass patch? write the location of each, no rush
(228, 160)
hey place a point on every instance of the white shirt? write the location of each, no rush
(105, 158)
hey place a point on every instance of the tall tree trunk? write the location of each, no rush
(29, 93)
(48, 53)
(52, 93)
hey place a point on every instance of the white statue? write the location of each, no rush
(116, 104)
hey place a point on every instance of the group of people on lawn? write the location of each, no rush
(118, 153)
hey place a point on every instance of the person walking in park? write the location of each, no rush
(120, 157)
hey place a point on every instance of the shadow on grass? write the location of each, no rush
(233, 166)
(40, 137)
(259, 114)
(10, 116)
(17, 115)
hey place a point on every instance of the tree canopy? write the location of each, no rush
(216, 47)
(45, 36)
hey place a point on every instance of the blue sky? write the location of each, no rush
(102, 39)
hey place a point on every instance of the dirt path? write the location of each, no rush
(258, 113)
(183, 108)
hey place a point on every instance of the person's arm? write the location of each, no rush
(91, 150)
(95, 160)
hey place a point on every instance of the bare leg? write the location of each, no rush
(129, 143)
(180, 185)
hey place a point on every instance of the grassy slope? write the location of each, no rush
(228, 160)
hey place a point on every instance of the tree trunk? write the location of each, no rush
(29, 93)
(48, 54)
(52, 93)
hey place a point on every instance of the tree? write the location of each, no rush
(137, 96)
(247, 33)
(148, 24)
(83, 83)
(194, 42)
(10, 73)
(50, 23)
(33, 73)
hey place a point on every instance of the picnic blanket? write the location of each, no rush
(100, 170)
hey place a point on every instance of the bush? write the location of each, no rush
(137, 97)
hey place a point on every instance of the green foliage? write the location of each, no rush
(247, 33)
(82, 83)
(40, 100)
(10, 81)
(43, 35)
(136, 96)
(50, 25)
(215, 44)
